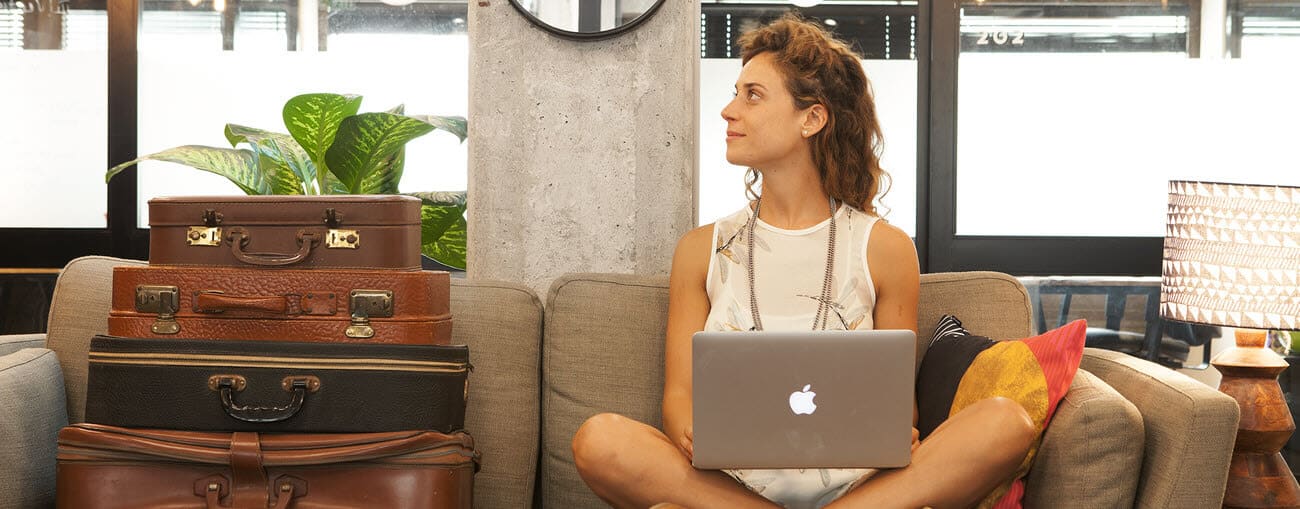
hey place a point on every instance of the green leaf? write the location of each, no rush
(238, 165)
(313, 120)
(287, 165)
(454, 125)
(385, 179)
(443, 234)
(364, 143)
(441, 198)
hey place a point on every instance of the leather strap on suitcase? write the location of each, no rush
(106, 467)
(373, 306)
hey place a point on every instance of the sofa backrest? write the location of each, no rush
(79, 310)
(501, 323)
(604, 352)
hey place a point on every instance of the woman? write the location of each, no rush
(807, 252)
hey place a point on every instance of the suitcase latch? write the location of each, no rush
(163, 300)
(342, 239)
(207, 235)
(203, 236)
(367, 304)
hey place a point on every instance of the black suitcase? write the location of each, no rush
(223, 385)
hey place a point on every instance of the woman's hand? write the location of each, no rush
(916, 439)
(686, 443)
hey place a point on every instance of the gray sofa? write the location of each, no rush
(1128, 434)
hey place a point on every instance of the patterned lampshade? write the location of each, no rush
(1232, 255)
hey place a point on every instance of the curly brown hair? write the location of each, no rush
(820, 69)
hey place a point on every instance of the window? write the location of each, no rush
(53, 61)
(884, 32)
(214, 62)
(1070, 119)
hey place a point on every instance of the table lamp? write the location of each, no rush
(1232, 258)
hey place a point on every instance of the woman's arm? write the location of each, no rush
(688, 308)
(891, 258)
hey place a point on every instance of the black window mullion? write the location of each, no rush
(123, 126)
(924, 14)
(941, 213)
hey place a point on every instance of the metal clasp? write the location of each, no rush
(342, 239)
(207, 235)
(163, 300)
(365, 304)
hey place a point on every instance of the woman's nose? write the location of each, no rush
(728, 113)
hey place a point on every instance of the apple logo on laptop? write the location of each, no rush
(801, 402)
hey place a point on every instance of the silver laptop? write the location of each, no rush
(835, 399)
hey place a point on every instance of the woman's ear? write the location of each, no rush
(814, 120)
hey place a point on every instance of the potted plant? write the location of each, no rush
(332, 149)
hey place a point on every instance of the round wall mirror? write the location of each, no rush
(587, 19)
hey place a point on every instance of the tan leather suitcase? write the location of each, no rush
(371, 306)
(335, 231)
(107, 467)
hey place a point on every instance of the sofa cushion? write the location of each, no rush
(31, 412)
(603, 353)
(990, 304)
(960, 370)
(1091, 455)
(1189, 429)
(502, 324)
(78, 312)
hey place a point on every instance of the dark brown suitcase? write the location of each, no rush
(106, 467)
(218, 385)
(336, 231)
(372, 306)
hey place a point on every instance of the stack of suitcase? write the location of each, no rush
(277, 351)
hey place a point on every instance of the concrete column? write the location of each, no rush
(582, 154)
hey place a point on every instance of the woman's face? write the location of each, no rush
(763, 125)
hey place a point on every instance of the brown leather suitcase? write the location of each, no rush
(266, 386)
(106, 467)
(372, 306)
(336, 231)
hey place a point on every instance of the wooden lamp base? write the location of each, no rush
(1258, 476)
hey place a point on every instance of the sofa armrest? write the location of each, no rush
(1190, 430)
(10, 343)
(32, 409)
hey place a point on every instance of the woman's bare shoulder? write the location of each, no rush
(889, 244)
(692, 252)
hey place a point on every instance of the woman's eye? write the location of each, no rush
(753, 96)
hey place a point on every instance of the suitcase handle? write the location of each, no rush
(239, 238)
(215, 301)
(298, 385)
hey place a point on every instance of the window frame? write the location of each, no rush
(939, 247)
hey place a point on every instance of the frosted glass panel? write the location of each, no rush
(53, 138)
(1084, 144)
(188, 97)
(722, 186)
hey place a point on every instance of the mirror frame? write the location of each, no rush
(579, 36)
